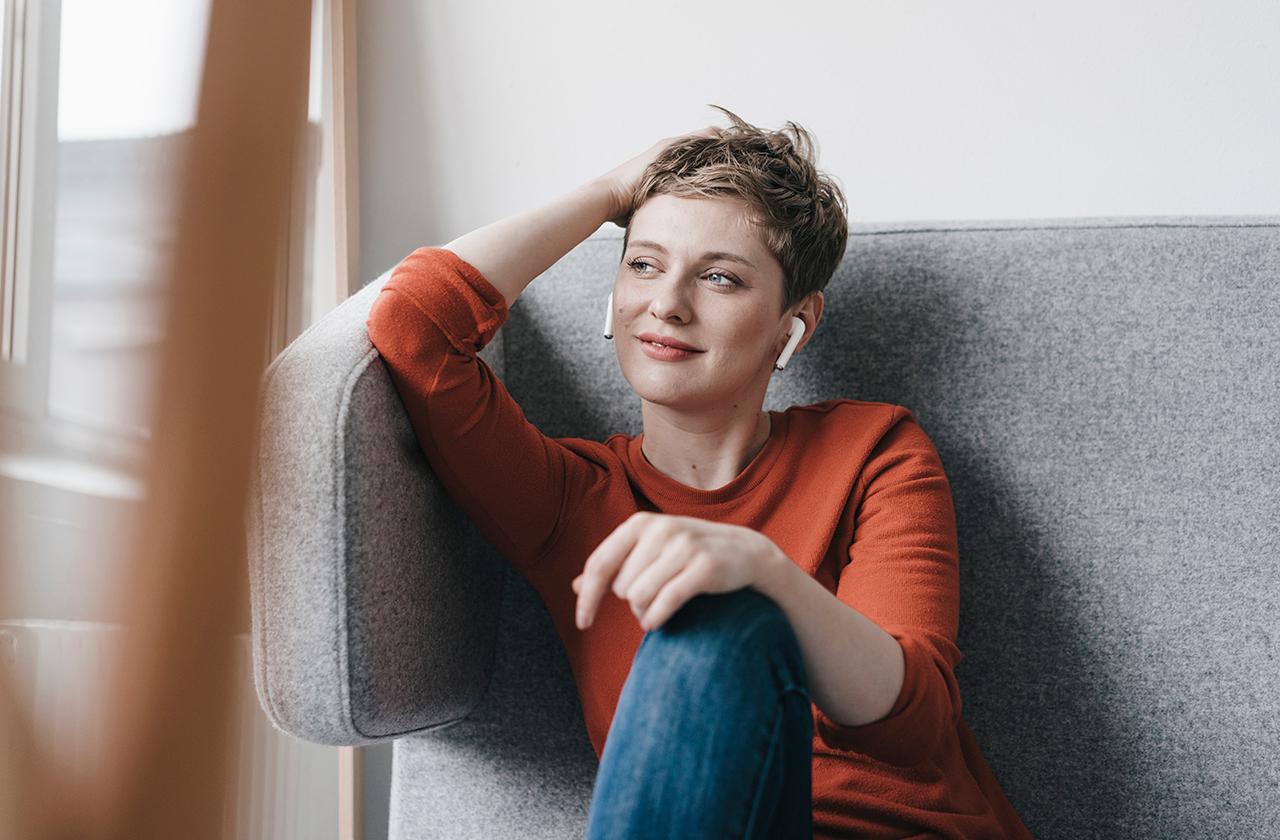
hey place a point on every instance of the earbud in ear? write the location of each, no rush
(608, 319)
(797, 332)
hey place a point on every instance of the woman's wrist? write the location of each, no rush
(616, 198)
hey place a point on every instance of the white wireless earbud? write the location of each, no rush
(797, 332)
(608, 319)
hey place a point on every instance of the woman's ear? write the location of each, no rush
(811, 313)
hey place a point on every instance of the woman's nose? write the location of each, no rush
(670, 299)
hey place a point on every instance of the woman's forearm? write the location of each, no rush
(512, 251)
(855, 668)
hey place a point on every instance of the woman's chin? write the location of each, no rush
(663, 390)
(674, 392)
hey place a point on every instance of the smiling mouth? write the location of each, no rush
(667, 353)
(672, 346)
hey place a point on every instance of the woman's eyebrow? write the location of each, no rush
(709, 255)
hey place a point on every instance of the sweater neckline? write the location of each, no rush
(655, 482)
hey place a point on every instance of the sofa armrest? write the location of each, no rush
(374, 601)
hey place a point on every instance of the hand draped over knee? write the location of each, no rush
(659, 561)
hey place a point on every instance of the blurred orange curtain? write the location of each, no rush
(169, 707)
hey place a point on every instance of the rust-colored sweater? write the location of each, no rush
(854, 492)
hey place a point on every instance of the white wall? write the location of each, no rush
(471, 111)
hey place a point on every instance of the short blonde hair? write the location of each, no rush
(801, 212)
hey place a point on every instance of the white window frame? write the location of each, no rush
(43, 443)
(28, 186)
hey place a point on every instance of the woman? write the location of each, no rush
(759, 607)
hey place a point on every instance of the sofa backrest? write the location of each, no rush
(1103, 394)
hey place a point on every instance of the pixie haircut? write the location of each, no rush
(801, 213)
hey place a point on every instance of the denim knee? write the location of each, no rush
(733, 630)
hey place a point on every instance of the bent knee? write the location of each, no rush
(728, 638)
(735, 617)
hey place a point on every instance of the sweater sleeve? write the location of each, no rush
(903, 574)
(429, 320)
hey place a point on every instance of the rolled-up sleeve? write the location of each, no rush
(903, 574)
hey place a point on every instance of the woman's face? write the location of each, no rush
(673, 282)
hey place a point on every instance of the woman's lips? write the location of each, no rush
(665, 354)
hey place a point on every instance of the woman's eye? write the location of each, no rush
(731, 280)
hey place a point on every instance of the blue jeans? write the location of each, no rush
(713, 734)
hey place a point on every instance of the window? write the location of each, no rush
(97, 105)
(98, 102)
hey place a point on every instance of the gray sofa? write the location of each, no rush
(1103, 393)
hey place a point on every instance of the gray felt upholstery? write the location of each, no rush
(1103, 394)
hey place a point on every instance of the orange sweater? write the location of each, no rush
(854, 492)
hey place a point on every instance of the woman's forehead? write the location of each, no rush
(728, 231)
